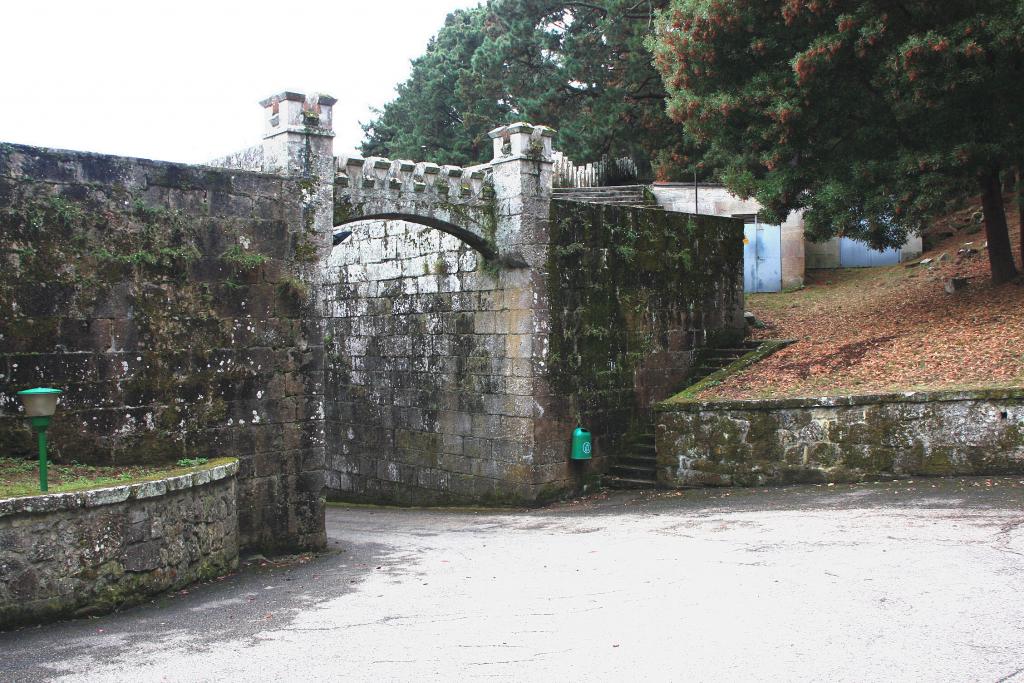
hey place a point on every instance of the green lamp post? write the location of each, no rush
(40, 405)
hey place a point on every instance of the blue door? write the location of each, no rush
(762, 258)
(856, 254)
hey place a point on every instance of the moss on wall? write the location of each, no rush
(167, 301)
(751, 443)
(632, 292)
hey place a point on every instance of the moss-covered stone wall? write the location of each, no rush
(76, 554)
(854, 438)
(170, 304)
(633, 292)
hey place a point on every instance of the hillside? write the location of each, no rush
(892, 328)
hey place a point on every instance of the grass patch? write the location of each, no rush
(20, 477)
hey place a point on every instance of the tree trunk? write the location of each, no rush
(1000, 253)
(1020, 208)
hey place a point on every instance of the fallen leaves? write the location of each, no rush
(888, 329)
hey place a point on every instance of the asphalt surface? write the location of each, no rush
(896, 581)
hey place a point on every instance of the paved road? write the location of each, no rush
(893, 581)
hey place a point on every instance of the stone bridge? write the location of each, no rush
(444, 353)
(456, 200)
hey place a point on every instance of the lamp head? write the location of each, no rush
(39, 402)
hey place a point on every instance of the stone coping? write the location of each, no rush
(694, 406)
(116, 494)
(75, 154)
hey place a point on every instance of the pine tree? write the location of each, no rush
(873, 115)
(430, 117)
(580, 67)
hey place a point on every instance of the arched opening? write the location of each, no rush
(426, 350)
(470, 238)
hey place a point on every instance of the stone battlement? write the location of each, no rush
(404, 176)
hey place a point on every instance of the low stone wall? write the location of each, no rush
(74, 554)
(851, 438)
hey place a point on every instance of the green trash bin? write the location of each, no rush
(581, 444)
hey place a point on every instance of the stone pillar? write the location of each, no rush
(522, 175)
(522, 171)
(298, 141)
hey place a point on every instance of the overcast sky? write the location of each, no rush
(181, 80)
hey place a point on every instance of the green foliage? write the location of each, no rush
(873, 117)
(19, 477)
(242, 259)
(431, 117)
(293, 290)
(148, 213)
(67, 213)
(158, 257)
(305, 250)
(579, 67)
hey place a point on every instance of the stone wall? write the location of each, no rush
(854, 438)
(458, 368)
(437, 385)
(633, 294)
(172, 304)
(184, 311)
(84, 553)
(428, 370)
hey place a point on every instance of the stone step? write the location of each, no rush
(641, 471)
(594, 193)
(617, 201)
(614, 482)
(637, 461)
(722, 360)
(621, 195)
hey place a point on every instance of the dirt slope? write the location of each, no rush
(891, 329)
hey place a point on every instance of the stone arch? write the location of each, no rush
(456, 200)
(428, 398)
(471, 238)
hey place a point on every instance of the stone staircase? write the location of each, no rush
(712, 360)
(622, 195)
(636, 466)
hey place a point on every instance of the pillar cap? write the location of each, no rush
(292, 96)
